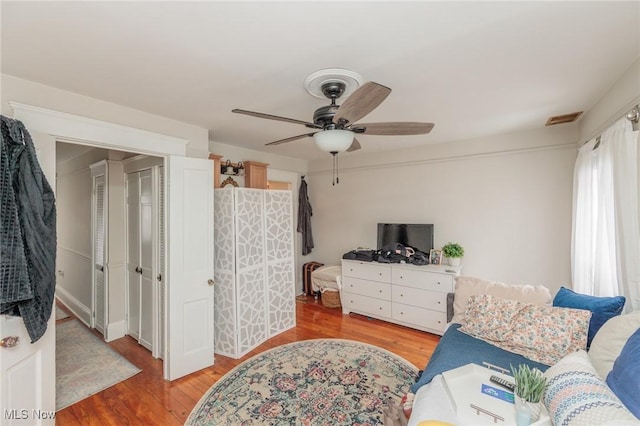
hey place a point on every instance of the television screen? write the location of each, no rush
(418, 236)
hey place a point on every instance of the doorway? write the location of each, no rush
(94, 280)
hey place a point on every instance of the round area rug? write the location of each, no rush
(312, 382)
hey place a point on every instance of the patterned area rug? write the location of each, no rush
(312, 382)
(85, 365)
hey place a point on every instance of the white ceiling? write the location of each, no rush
(472, 68)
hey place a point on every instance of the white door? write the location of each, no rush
(133, 255)
(28, 378)
(189, 184)
(147, 239)
(99, 245)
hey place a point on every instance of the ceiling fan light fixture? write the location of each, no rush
(334, 140)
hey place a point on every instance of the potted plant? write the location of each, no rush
(453, 252)
(530, 386)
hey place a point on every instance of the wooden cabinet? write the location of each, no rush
(255, 175)
(409, 295)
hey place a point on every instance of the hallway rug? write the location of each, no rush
(85, 364)
(61, 314)
(312, 382)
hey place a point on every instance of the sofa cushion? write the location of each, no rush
(624, 378)
(542, 333)
(456, 349)
(575, 395)
(602, 308)
(465, 287)
(610, 339)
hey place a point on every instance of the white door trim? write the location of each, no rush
(89, 131)
(62, 126)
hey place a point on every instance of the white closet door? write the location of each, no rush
(146, 227)
(280, 261)
(250, 269)
(99, 247)
(133, 254)
(161, 263)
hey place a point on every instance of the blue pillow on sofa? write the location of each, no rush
(624, 378)
(602, 308)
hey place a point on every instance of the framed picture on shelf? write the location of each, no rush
(435, 257)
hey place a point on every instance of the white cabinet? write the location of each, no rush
(413, 296)
(254, 268)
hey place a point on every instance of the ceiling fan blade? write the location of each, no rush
(398, 128)
(275, 117)
(291, 139)
(361, 102)
(355, 145)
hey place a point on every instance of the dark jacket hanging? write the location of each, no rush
(304, 218)
(27, 231)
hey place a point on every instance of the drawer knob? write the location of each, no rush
(438, 282)
(379, 291)
(380, 308)
(401, 313)
(380, 274)
(401, 277)
(439, 302)
(401, 295)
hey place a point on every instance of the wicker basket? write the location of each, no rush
(331, 298)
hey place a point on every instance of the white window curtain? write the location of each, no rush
(605, 250)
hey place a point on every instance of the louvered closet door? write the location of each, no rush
(161, 262)
(146, 225)
(99, 253)
(133, 255)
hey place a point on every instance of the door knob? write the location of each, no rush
(9, 342)
(138, 269)
(210, 281)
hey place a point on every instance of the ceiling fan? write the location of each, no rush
(335, 126)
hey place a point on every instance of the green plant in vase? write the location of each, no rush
(529, 390)
(453, 252)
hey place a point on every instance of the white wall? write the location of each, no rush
(617, 101)
(506, 199)
(73, 202)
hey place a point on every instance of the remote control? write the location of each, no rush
(502, 382)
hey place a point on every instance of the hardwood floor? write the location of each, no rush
(147, 399)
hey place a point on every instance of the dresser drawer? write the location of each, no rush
(374, 289)
(420, 317)
(365, 305)
(367, 271)
(425, 280)
(432, 300)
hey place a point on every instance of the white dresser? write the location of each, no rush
(409, 295)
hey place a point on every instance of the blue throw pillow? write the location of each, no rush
(602, 308)
(624, 378)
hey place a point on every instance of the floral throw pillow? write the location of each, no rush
(541, 333)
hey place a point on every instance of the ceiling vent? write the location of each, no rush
(566, 118)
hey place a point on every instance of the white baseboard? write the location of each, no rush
(78, 308)
(116, 330)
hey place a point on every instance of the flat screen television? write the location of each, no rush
(416, 235)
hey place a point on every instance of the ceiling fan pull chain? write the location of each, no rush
(334, 175)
